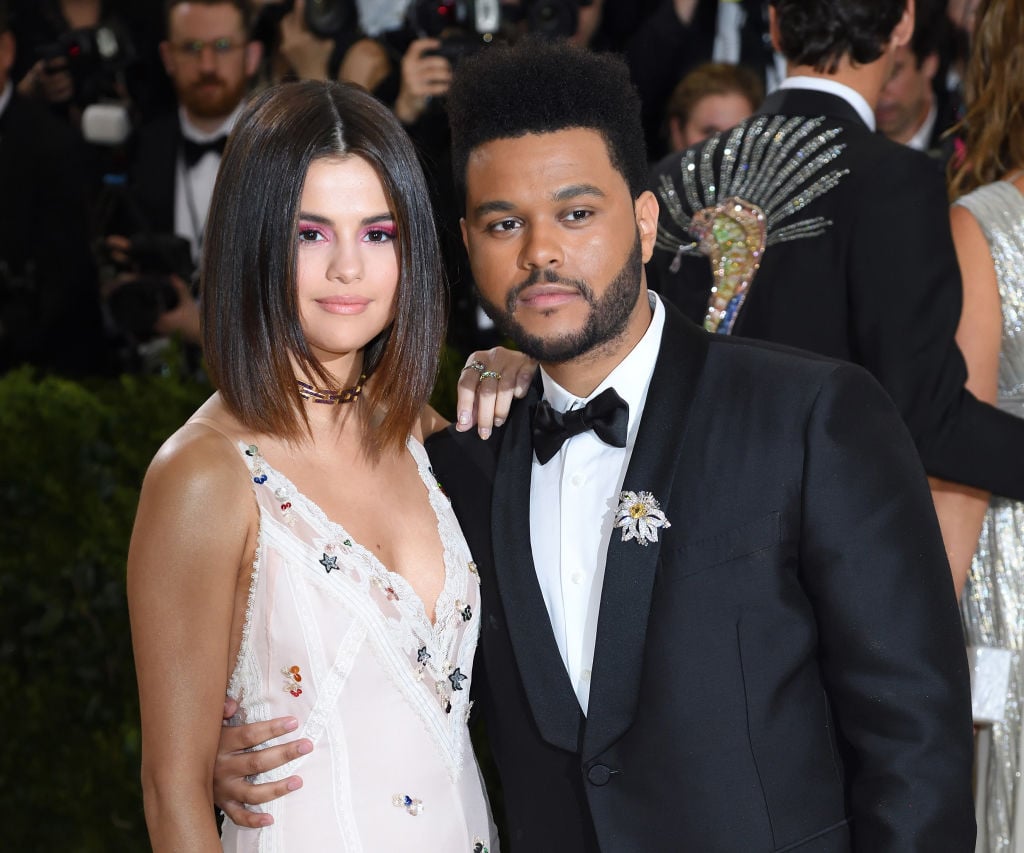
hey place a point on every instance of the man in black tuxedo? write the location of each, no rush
(722, 620)
(857, 261)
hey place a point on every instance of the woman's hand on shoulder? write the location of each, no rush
(490, 381)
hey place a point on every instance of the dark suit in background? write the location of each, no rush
(147, 204)
(879, 286)
(783, 670)
(49, 298)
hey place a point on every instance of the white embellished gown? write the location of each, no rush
(336, 640)
(993, 601)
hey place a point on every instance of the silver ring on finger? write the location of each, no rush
(489, 374)
(478, 366)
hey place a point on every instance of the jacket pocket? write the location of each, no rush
(707, 552)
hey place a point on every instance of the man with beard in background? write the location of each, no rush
(210, 58)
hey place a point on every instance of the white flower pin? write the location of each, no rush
(639, 516)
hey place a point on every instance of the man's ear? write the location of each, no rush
(167, 57)
(904, 30)
(646, 209)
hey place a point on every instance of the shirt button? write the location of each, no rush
(577, 479)
(577, 578)
(585, 675)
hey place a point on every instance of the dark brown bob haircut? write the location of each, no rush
(250, 310)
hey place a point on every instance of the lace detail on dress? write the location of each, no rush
(430, 664)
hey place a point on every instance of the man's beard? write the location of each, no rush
(606, 321)
(212, 103)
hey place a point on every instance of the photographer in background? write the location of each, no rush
(74, 53)
(328, 39)
(156, 223)
(49, 302)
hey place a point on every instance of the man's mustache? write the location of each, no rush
(549, 276)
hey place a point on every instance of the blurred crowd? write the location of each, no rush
(114, 113)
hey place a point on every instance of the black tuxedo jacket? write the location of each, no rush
(783, 670)
(880, 287)
(147, 204)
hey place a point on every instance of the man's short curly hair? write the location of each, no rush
(539, 86)
(820, 33)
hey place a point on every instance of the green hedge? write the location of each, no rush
(72, 458)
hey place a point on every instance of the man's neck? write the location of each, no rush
(866, 80)
(206, 125)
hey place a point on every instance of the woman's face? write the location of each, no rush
(347, 257)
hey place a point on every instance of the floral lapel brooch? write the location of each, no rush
(639, 516)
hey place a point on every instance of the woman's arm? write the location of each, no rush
(961, 509)
(193, 531)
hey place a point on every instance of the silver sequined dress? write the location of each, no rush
(993, 603)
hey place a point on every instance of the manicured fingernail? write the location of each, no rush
(484, 432)
(266, 820)
(294, 783)
(463, 418)
(291, 724)
(499, 421)
(305, 747)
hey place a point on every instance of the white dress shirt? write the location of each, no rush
(819, 84)
(573, 499)
(193, 188)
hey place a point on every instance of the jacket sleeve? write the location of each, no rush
(890, 641)
(905, 307)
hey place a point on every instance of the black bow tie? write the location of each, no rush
(194, 151)
(607, 415)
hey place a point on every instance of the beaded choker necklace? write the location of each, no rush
(345, 395)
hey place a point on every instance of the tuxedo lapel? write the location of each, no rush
(631, 567)
(555, 707)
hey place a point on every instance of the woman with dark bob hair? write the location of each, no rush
(291, 544)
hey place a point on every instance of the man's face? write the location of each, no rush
(711, 114)
(208, 58)
(907, 96)
(556, 242)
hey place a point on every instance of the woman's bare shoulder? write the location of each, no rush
(203, 453)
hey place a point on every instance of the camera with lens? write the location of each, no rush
(464, 26)
(323, 18)
(96, 59)
(137, 303)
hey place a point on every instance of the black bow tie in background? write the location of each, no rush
(607, 415)
(194, 151)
